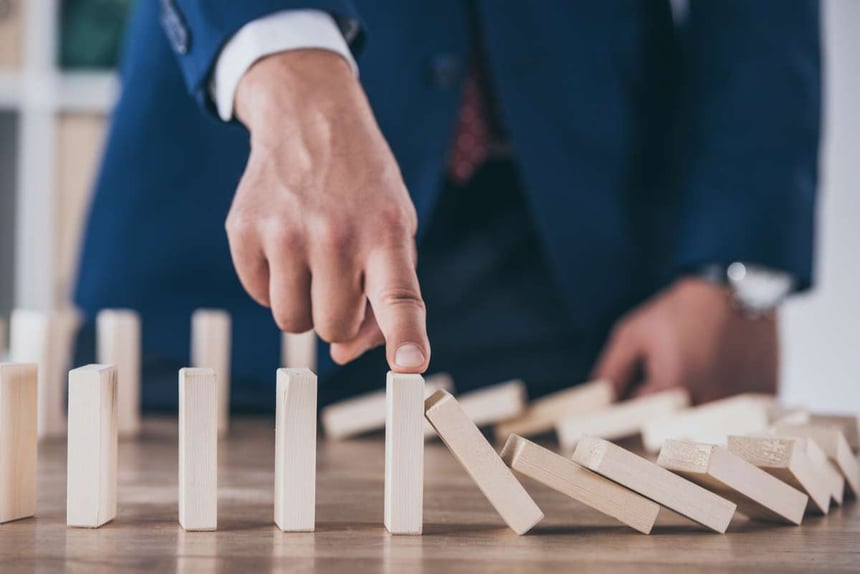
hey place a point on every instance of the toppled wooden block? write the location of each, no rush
(18, 440)
(404, 454)
(756, 493)
(571, 479)
(491, 405)
(835, 446)
(848, 424)
(654, 482)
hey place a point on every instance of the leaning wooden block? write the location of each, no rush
(118, 343)
(757, 493)
(491, 405)
(18, 440)
(366, 413)
(621, 419)
(819, 460)
(569, 478)
(710, 423)
(404, 454)
(543, 413)
(299, 350)
(92, 448)
(654, 482)
(835, 446)
(198, 449)
(210, 349)
(295, 450)
(785, 459)
(848, 424)
(481, 461)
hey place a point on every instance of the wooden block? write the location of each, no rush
(4, 351)
(295, 450)
(46, 339)
(490, 405)
(785, 459)
(11, 34)
(835, 446)
(404, 453)
(834, 479)
(18, 440)
(654, 482)
(198, 449)
(571, 479)
(542, 414)
(118, 343)
(621, 419)
(757, 494)
(299, 350)
(210, 349)
(366, 413)
(465, 441)
(92, 448)
(710, 423)
(848, 424)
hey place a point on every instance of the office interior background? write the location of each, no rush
(58, 86)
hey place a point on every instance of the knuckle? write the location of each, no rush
(333, 236)
(397, 222)
(292, 322)
(336, 331)
(281, 232)
(402, 297)
(240, 226)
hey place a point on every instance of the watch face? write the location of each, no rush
(758, 288)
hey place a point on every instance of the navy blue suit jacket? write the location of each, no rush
(646, 148)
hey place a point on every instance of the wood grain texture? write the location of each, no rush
(835, 480)
(92, 446)
(654, 482)
(295, 450)
(579, 483)
(491, 405)
(756, 493)
(404, 454)
(211, 341)
(118, 343)
(834, 444)
(18, 440)
(468, 445)
(198, 449)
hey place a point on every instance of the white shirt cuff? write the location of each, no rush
(278, 32)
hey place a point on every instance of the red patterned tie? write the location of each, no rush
(472, 137)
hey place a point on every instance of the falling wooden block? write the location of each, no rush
(18, 440)
(819, 459)
(118, 343)
(621, 419)
(835, 446)
(299, 350)
(571, 479)
(465, 441)
(654, 482)
(756, 493)
(848, 424)
(542, 414)
(198, 449)
(366, 413)
(404, 453)
(785, 459)
(295, 450)
(92, 447)
(210, 349)
(490, 405)
(710, 423)
(46, 339)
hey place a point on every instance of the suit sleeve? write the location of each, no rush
(752, 136)
(198, 29)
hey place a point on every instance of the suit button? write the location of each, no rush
(174, 27)
(445, 70)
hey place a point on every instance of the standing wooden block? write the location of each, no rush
(711, 422)
(848, 424)
(404, 453)
(654, 482)
(757, 493)
(480, 460)
(543, 413)
(621, 419)
(18, 440)
(785, 459)
(569, 478)
(835, 446)
(92, 449)
(490, 405)
(295, 450)
(210, 349)
(198, 449)
(118, 341)
(299, 350)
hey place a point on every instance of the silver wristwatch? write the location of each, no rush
(755, 289)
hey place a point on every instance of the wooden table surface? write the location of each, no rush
(461, 530)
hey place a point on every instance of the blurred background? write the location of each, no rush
(58, 86)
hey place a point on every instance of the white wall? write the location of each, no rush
(821, 331)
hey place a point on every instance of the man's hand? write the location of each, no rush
(691, 336)
(322, 229)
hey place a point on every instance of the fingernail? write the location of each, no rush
(409, 356)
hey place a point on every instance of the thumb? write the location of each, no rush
(621, 360)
